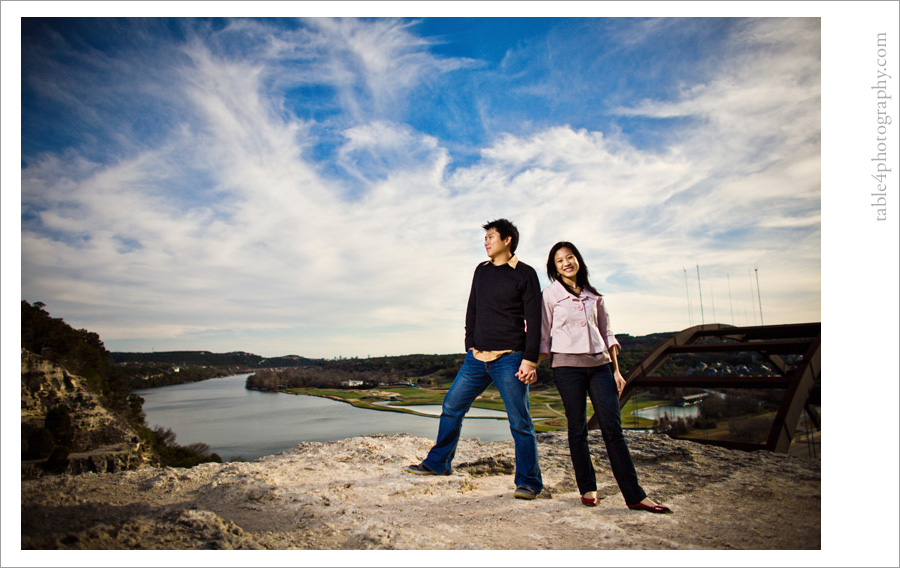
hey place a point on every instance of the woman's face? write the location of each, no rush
(566, 264)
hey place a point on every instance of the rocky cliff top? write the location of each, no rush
(355, 494)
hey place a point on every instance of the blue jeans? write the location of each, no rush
(472, 379)
(574, 385)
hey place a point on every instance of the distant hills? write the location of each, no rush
(210, 359)
(162, 368)
(633, 347)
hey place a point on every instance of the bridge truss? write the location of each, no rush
(800, 383)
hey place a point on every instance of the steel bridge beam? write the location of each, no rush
(770, 341)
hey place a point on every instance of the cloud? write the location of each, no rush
(374, 65)
(224, 229)
(375, 150)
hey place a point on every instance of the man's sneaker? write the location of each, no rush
(420, 469)
(525, 493)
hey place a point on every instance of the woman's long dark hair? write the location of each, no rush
(581, 277)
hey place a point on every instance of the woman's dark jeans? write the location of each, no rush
(574, 385)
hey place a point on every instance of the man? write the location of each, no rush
(503, 333)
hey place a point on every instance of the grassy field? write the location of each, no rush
(756, 427)
(546, 406)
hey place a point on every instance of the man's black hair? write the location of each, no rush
(506, 229)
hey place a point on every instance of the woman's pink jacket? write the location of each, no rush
(571, 324)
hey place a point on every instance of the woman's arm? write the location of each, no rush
(604, 326)
(620, 380)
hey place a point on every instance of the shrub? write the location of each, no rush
(40, 444)
(58, 460)
(704, 424)
(712, 407)
(755, 430)
(59, 423)
(673, 428)
(172, 454)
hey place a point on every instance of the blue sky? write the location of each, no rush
(317, 186)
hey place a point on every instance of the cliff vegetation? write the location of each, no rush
(77, 412)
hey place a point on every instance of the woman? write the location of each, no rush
(575, 334)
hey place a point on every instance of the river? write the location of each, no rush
(247, 424)
(670, 411)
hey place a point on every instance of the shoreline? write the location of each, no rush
(387, 407)
(542, 420)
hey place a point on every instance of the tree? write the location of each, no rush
(39, 445)
(58, 423)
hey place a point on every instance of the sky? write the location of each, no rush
(318, 186)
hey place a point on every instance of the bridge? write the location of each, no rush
(800, 383)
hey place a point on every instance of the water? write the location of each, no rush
(435, 410)
(236, 422)
(657, 412)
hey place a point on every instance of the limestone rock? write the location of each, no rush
(103, 441)
(356, 494)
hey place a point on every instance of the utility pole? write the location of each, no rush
(687, 294)
(730, 301)
(702, 318)
(752, 303)
(758, 296)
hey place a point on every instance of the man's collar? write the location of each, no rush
(512, 262)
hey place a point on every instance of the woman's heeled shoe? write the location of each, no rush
(589, 501)
(650, 508)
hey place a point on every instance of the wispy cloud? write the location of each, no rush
(276, 187)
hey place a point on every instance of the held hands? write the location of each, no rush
(527, 374)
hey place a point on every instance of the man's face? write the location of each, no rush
(494, 245)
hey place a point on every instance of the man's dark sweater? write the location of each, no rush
(503, 303)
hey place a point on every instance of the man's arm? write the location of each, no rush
(531, 300)
(470, 315)
(546, 327)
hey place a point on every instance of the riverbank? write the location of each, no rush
(546, 406)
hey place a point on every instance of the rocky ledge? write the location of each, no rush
(355, 494)
(102, 441)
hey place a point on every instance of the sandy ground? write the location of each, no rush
(355, 494)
